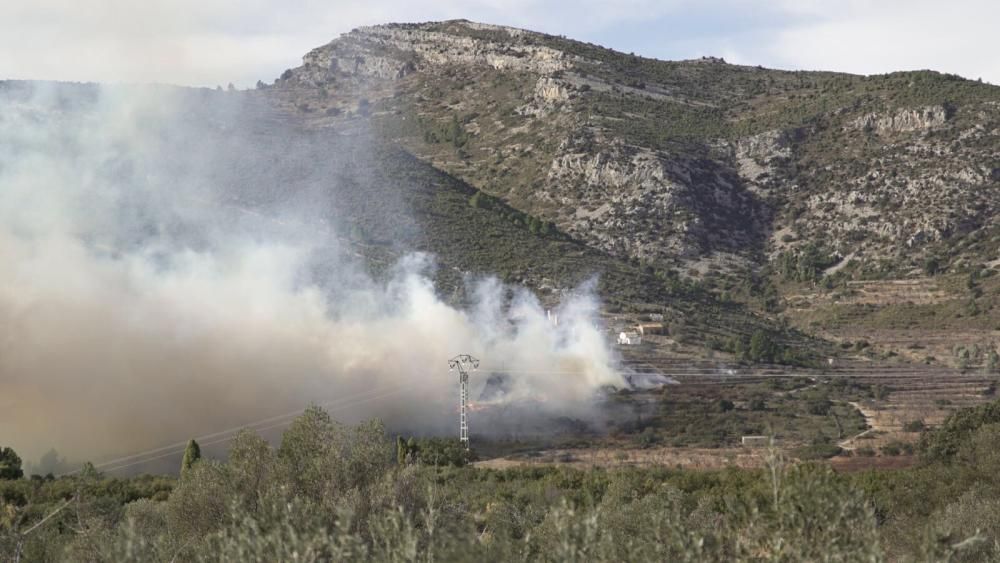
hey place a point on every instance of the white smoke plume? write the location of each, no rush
(140, 304)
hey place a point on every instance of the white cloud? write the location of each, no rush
(201, 42)
(877, 37)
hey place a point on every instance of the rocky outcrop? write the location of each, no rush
(648, 204)
(394, 50)
(549, 92)
(904, 120)
(756, 156)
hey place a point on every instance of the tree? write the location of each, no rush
(88, 471)
(191, 454)
(725, 405)
(456, 133)
(10, 464)
(761, 347)
(400, 450)
(311, 453)
(739, 348)
(932, 266)
(992, 360)
(819, 406)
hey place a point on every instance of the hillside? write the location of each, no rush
(247, 165)
(756, 185)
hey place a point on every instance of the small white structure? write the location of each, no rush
(656, 317)
(629, 338)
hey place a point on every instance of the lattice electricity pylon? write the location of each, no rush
(464, 363)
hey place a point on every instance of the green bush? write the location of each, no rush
(943, 442)
(897, 448)
(818, 451)
(10, 464)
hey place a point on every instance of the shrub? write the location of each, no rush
(647, 438)
(897, 448)
(192, 453)
(818, 451)
(10, 464)
(819, 406)
(433, 451)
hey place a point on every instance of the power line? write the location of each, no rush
(259, 429)
(178, 447)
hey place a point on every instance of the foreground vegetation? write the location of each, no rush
(333, 492)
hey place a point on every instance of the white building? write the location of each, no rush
(629, 338)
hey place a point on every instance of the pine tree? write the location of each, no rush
(10, 464)
(400, 450)
(191, 454)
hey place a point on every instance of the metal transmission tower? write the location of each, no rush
(464, 363)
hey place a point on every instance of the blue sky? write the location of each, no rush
(209, 42)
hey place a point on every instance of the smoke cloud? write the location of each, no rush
(170, 266)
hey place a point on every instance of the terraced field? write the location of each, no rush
(853, 414)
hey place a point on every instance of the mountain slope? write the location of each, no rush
(757, 184)
(204, 163)
(673, 162)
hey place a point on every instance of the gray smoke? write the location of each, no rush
(170, 265)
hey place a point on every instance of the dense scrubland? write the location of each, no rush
(337, 492)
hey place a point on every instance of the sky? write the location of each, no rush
(214, 42)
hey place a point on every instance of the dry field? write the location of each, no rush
(688, 458)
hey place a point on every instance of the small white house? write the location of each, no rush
(629, 338)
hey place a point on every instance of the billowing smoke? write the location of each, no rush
(171, 265)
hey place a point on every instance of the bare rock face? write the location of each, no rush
(648, 204)
(904, 120)
(549, 92)
(394, 50)
(756, 156)
(903, 199)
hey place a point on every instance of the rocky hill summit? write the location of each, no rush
(698, 166)
(753, 184)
